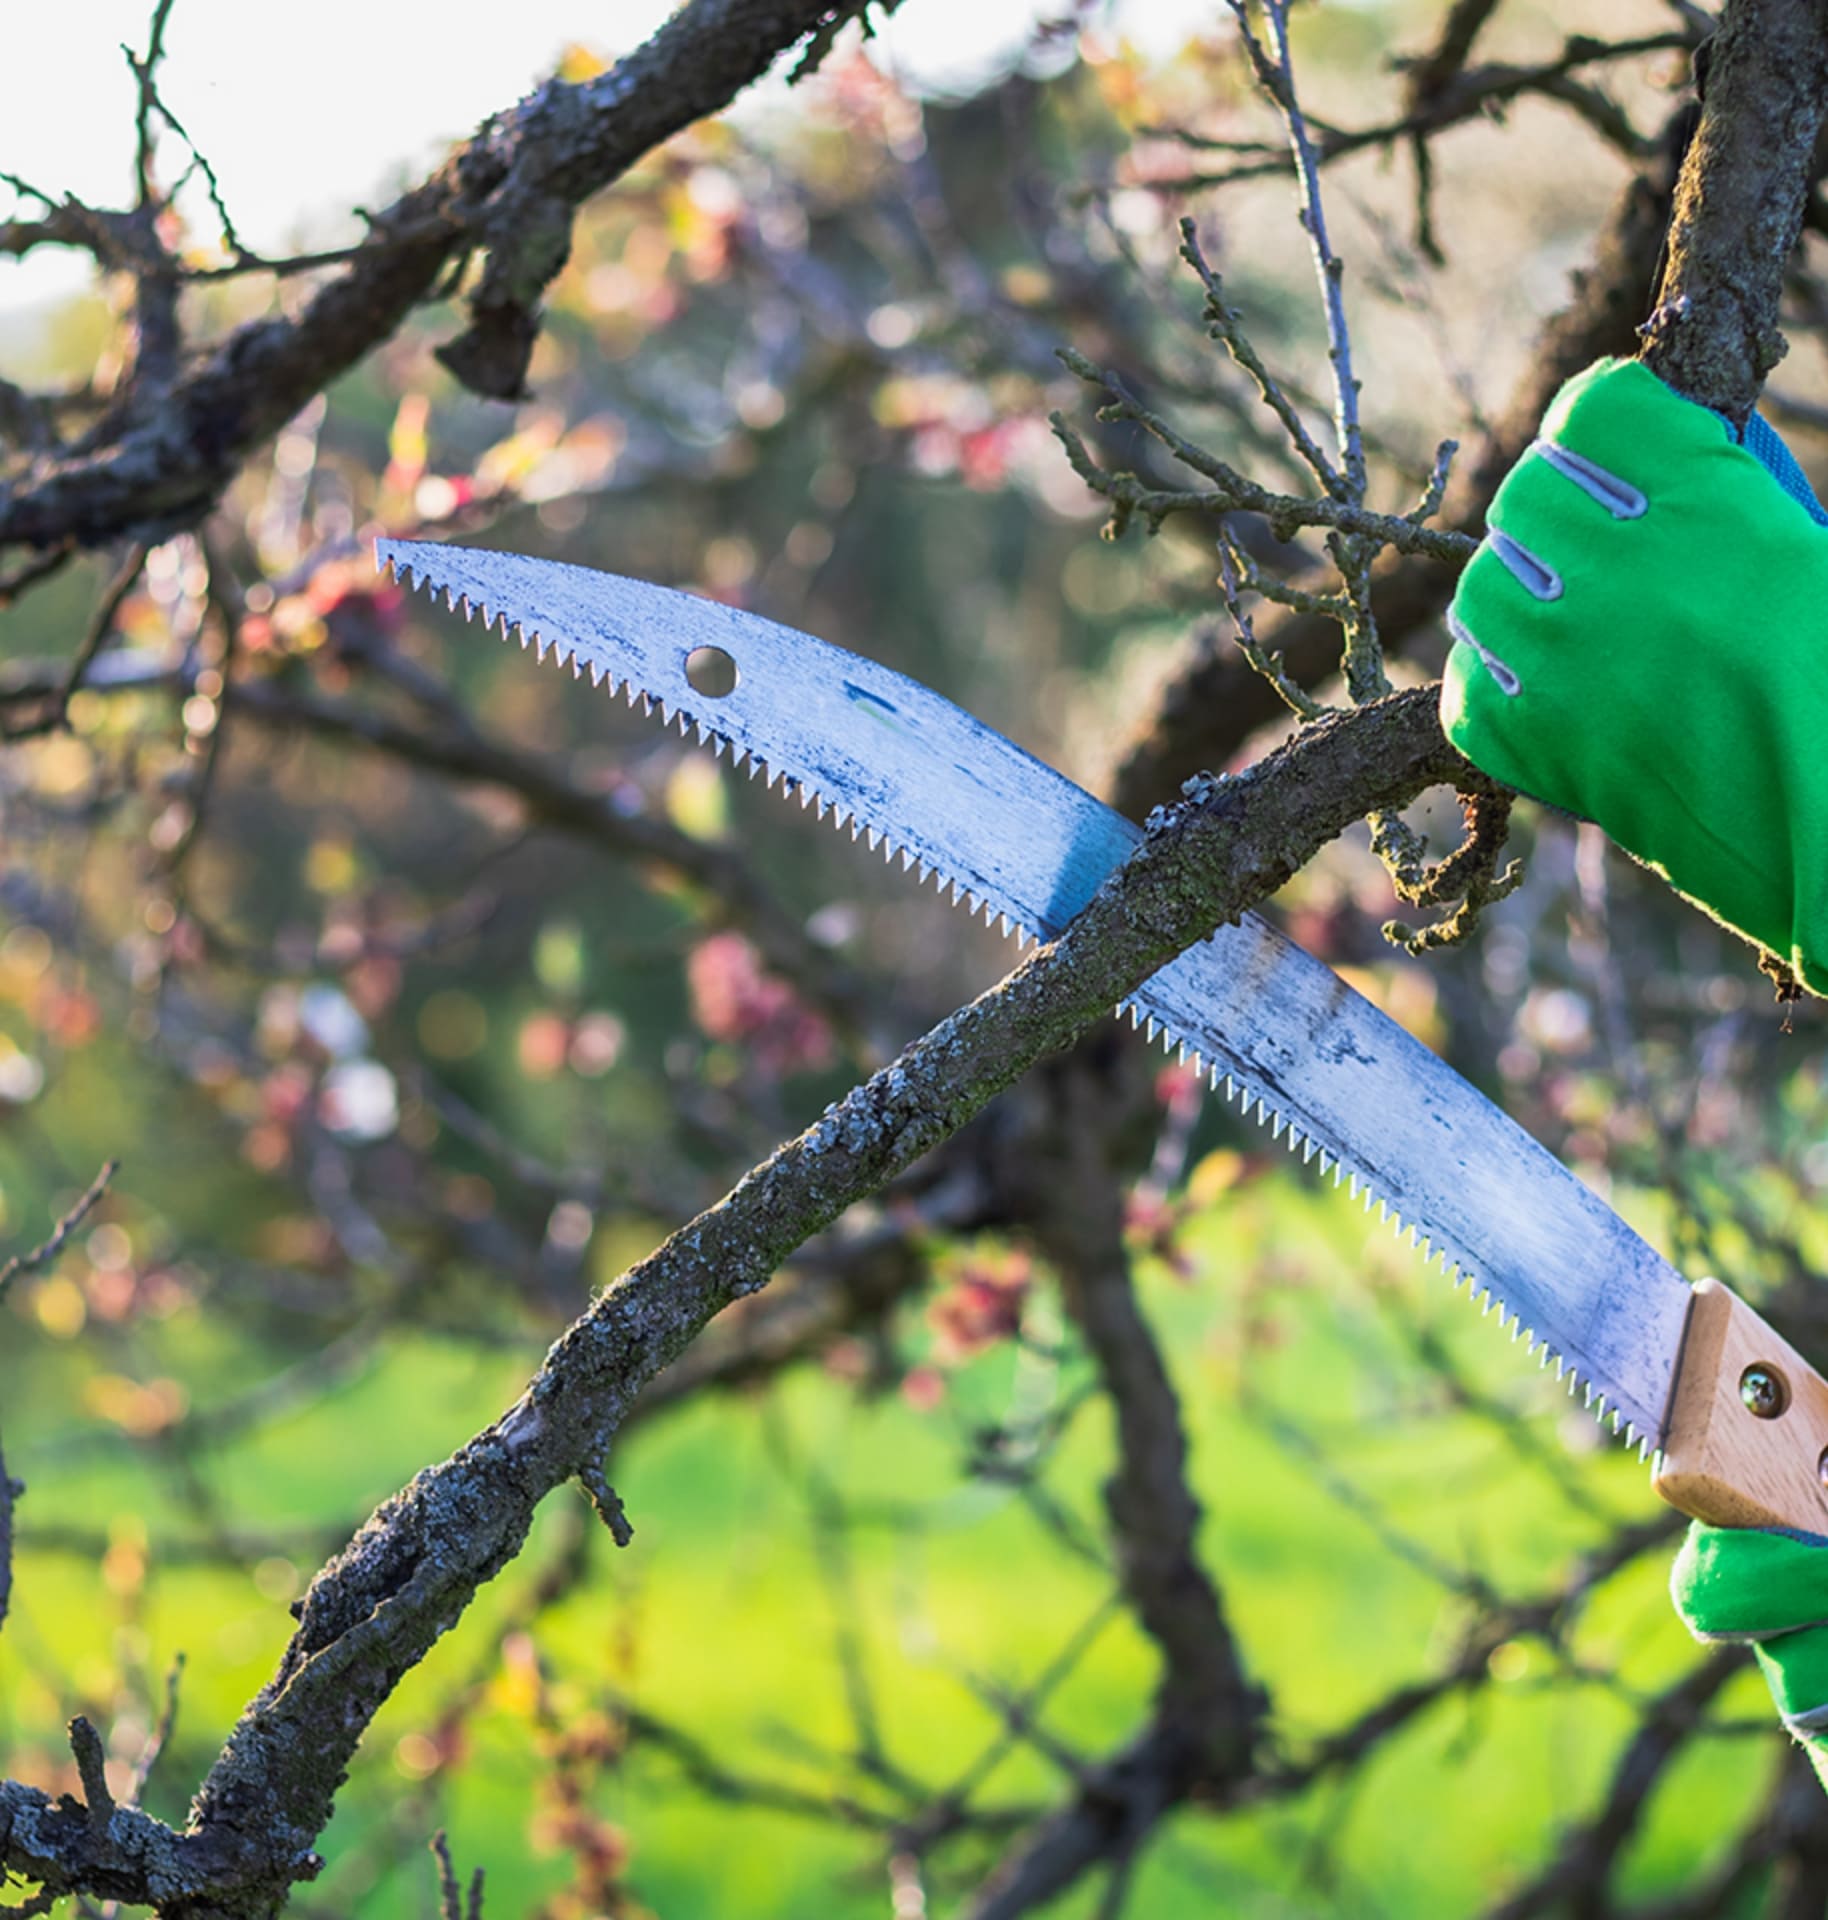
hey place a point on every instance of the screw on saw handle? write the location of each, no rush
(1747, 1444)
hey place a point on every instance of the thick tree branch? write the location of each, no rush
(1739, 204)
(1203, 1732)
(163, 458)
(378, 1608)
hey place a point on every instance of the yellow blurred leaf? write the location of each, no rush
(453, 1025)
(331, 866)
(138, 1408)
(61, 767)
(1214, 1176)
(511, 461)
(406, 443)
(60, 1307)
(1026, 285)
(578, 63)
(696, 801)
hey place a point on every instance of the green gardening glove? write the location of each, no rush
(1642, 639)
(1770, 1589)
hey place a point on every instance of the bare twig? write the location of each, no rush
(56, 716)
(1226, 325)
(607, 1503)
(374, 1613)
(42, 1255)
(160, 1737)
(1276, 75)
(451, 1905)
(1468, 95)
(1231, 492)
(10, 1491)
(92, 1768)
(145, 72)
(1266, 662)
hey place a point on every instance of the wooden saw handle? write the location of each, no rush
(1748, 1423)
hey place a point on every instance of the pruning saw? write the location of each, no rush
(1734, 1420)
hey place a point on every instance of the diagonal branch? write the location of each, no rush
(164, 460)
(1739, 204)
(405, 1579)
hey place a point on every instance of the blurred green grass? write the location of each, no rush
(1315, 1440)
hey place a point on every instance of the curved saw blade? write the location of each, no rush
(1282, 1033)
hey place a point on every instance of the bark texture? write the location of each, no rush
(380, 1606)
(175, 440)
(1739, 203)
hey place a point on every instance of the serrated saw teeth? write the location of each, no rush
(1259, 1108)
(689, 725)
(624, 632)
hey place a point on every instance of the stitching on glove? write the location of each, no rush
(1508, 683)
(1536, 577)
(1619, 497)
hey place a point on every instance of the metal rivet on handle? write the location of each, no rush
(1763, 1390)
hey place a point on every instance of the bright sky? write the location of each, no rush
(317, 109)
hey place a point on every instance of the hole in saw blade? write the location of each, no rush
(711, 672)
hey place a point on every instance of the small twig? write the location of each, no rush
(10, 1491)
(608, 1503)
(1329, 269)
(1363, 661)
(1466, 20)
(1473, 93)
(29, 573)
(1267, 661)
(451, 1906)
(1436, 490)
(48, 1251)
(1470, 874)
(1232, 492)
(26, 191)
(145, 71)
(92, 1767)
(56, 717)
(161, 1734)
(213, 187)
(1224, 325)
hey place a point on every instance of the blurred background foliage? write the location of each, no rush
(417, 991)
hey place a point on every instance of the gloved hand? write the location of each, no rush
(1642, 639)
(1771, 1589)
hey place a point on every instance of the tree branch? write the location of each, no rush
(1739, 204)
(379, 1607)
(1204, 1729)
(163, 459)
